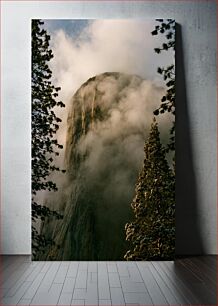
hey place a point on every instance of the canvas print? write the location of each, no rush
(103, 139)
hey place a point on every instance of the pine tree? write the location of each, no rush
(152, 233)
(44, 128)
(167, 28)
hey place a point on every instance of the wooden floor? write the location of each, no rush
(187, 281)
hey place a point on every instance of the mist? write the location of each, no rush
(108, 122)
(110, 88)
(125, 46)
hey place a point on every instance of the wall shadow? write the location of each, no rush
(188, 235)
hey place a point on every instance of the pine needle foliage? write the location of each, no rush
(152, 232)
(44, 127)
(167, 29)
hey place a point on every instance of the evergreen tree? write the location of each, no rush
(44, 128)
(167, 27)
(152, 233)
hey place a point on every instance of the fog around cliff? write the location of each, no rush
(85, 48)
(108, 121)
(107, 74)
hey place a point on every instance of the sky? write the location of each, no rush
(85, 48)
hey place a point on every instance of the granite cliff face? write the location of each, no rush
(107, 124)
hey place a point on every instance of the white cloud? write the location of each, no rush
(111, 150)
(104, 45)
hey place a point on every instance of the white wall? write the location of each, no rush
(198, 30)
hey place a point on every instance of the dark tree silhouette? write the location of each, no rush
(167, 28)
(44, 127)
(152, 232)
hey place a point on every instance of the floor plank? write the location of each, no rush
(48, 298)
(187, 281)
(199, 287)
(154, 290)
(203, 271)
(171, 279)
(166, 288)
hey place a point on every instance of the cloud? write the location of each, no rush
(104, 154)
(105, 45)
(125, 46)
(111, 148)
(127, 102)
